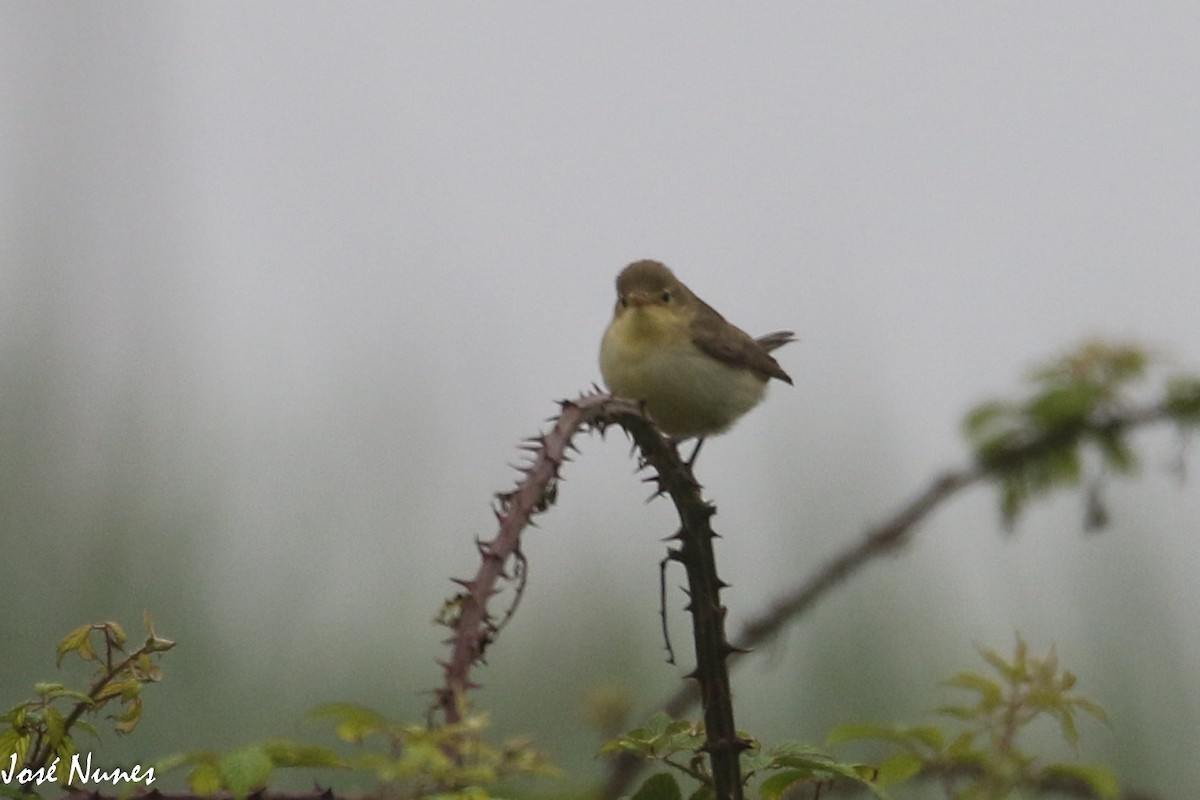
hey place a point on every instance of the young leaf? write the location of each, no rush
(1101, 781)
(79, 641)
(991, 694)
(659, 787)
(1183, 399)
(293, 754)
(353, 722)
(1091, 707)
(897, 769)
(205, 779)
(774, 787)
(245, 770)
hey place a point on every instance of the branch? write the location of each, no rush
(474, 626)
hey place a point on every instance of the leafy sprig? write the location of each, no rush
(679, 743)
(44, 728)
(985, 759)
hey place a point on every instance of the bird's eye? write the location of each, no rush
(621, 299)
(665, 296)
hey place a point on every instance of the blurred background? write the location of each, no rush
(282, 286)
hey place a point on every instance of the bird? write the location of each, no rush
(696, 372)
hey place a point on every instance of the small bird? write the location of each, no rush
(696, 372)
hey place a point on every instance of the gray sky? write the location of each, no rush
(281, 285)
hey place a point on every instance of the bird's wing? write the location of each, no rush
(739, 350)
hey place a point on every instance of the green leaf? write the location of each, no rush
(1066, 721)
(929, 735)
(245, 770)
(114, 688)
(1012, 672)
(128, 719)
(1101, 781)
(1183, 399)
(898, 769)
(205, 779)
(981, 422)
(965, 713)
(659, 787)
(56, 726)
(660, 736)
(773, 787)
(78, 641)
(961, 746)
(284, 753)
(12, 741)
(116, 634)
(1058, 467)
(991, 694)
(1066, 406)
(1115, 450)
(1091, 707)
(353, 722)
(1013, 494)
(71, 694)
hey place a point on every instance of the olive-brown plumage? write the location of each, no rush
(696, 372)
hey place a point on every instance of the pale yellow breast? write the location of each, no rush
(686, 391)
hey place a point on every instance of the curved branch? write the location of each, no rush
(474, 626)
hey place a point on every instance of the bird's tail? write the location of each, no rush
(773, 341)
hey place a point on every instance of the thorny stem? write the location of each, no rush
(474, 626)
